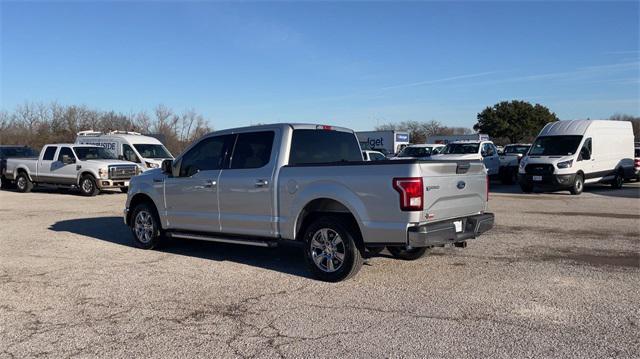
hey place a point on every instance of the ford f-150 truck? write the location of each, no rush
(308, 184)
(87, 167)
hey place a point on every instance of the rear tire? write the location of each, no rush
(526, 187)
(88, 186)
(578, 185)
(408, 254)
(23, 183)
(509, 177)
(331, 251)
(145, 226)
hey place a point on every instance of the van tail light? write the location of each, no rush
(411, 193)
(487, 188)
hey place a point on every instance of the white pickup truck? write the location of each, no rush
(86, 167)
(308, 184)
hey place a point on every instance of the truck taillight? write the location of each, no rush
(487, 188)
(636, 163)
(411, 193)
(324, 127)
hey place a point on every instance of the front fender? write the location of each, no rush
(152, 190)
(84, 171)
(329, 190)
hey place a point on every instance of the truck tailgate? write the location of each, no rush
(453, 189)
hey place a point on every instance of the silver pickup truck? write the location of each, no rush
(86, 167)
(308, 184)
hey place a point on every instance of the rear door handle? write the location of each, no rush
(262, 183)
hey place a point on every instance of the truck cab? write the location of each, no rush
(485, 151)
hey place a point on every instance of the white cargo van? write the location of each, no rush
(146, 151)
(570, 154)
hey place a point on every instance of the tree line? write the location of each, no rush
(505, 122)
(36, 124)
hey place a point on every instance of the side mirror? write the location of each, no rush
(68, 160)
(167, 166)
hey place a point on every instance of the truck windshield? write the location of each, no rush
(94, 153)
(415, 152)
(152, 151)
(17, 152)
(320, 146)
(555, 146)
(461, 148)
(516, 150)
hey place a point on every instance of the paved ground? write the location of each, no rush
(558, 277)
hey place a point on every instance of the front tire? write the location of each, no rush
(23, 183)
(408, 254)
(145, 226)
(124, 189)
(526, 187)
(330, 249)
(88, 186)
(618, 181)
(578, 185)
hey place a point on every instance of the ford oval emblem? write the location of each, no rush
(461, 185)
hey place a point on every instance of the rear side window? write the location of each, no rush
(207, 155)
(320, 146)
(252, 150)
(49, 153)
(65, 151)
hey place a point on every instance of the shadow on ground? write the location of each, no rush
(629, 190)
(284, 259)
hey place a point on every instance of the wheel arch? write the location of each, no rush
(137, 199)
(326, 207)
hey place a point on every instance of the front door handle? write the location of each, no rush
(210, 184)
(262, 183)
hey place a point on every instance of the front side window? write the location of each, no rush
(152, 151)
(129, 154)
(94, 153)
(49, 153)
(585, 151)
(65, 151)
(321, 146)
(252, 150)
(207, 155)
(461, 148)
(488, 150)
(555, 146)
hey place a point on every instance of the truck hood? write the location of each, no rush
(108, 162)
(452, 156)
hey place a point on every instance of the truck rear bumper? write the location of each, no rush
(435, 234)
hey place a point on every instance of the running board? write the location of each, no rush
(208, 238)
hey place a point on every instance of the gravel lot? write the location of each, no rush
(559, 276)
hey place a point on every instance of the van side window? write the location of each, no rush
(49, 153)
(252, 150)
(65, 151)
(207, 155)
(585, 151)
(129, 154)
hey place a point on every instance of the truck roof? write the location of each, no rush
(295, 126)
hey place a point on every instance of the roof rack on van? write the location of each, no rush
(120, 132)
(89, 133)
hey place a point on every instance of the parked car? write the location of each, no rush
(636, 163)
(484, 151)
(373, 155)
(88, 168)
(146, 151)
(510, 160)
(570, 154)
(308, 184)
(420, 151)
(12, 152)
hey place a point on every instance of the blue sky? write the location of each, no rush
(354, 64)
